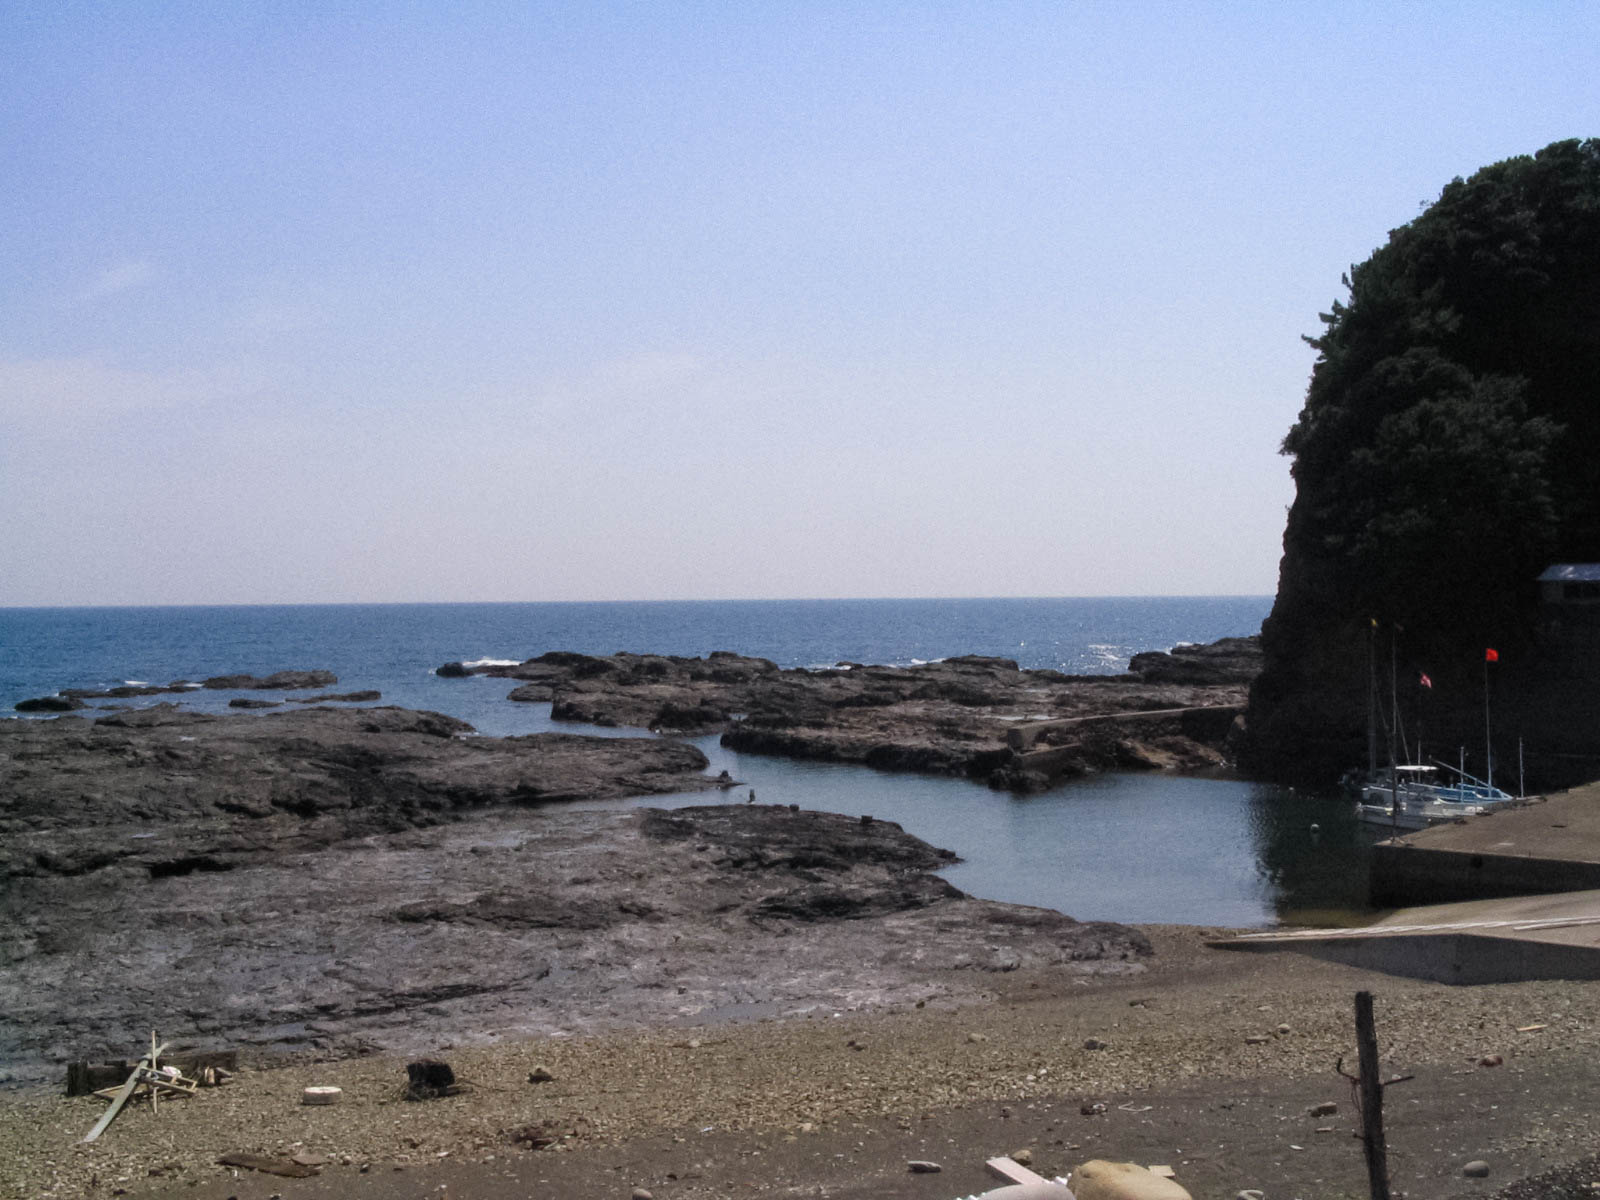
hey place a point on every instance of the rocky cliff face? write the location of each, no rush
(1448, 450)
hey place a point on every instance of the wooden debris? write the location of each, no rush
(148, 1075)
(207, 1067)
(286, 1167)
(1012, 1171)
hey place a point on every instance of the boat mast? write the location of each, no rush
(1394, 699)
(1372, 700)
(1394, 726)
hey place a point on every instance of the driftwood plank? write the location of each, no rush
(110, 1115)
(125, 1091)
(1012, 1171)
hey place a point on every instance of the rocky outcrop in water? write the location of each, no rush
(958, 716)
(278, 681)
(1228, 661)
(71, 699)
(49, 704)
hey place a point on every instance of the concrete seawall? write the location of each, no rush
(1550, 845)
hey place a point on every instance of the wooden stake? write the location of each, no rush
(1371, 1099)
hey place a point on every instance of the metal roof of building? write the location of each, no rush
(1571, 573)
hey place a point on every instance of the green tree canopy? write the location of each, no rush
(1449, 442)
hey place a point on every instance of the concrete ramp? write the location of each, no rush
(1476, 941)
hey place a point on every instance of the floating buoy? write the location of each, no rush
(321, 1095)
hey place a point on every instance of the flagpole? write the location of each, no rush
(1488, 742)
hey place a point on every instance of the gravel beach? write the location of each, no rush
(1209, 1061)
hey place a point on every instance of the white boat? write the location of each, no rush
(1414, 796)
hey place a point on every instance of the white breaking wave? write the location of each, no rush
(493, 662)
(134, 683)
(1109, 655)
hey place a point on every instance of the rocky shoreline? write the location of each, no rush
(332, 880)
(977, 717)
(548, 923)
(336, 881)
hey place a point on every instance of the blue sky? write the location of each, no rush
(349, 302)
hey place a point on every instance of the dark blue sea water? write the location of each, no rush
(1123, 847)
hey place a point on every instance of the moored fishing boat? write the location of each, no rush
(1414, 796)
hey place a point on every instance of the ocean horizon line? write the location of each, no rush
(707, 601)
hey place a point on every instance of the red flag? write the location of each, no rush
(1425, 681)
(1491, 656)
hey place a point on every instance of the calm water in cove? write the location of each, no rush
(1115, 847)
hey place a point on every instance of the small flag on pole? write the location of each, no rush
(1491, 656)
(1425, 681)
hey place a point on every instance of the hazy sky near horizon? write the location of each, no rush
(310, 302)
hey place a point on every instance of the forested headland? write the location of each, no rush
(1444, 457)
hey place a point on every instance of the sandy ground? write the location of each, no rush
(1211, 1063)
